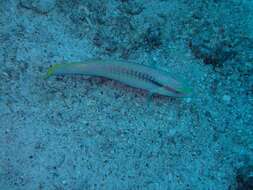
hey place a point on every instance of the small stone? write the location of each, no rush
(4, 109)
(226, 98)
(188, 100)
(84, 122)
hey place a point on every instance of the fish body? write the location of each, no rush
(132, 74)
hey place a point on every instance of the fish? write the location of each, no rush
(155, 81)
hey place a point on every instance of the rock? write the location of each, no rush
(131, 8)
(40, 6)
(244, 178)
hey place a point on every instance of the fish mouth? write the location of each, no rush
(51, 70)
(49, 73)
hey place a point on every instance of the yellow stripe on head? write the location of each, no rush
(51, 70)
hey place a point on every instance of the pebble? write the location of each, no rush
(188, 100)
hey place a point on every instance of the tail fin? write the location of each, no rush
(185, 90)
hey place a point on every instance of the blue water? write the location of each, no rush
(87, 133)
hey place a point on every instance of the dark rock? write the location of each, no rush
(153, 37)
(244, 178)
